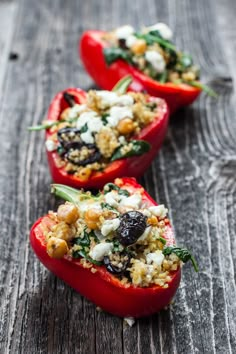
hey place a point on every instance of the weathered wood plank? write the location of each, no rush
(194, 175)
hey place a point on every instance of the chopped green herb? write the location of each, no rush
(112, 54)
(109, 207)
(84, 128)
(139, 147)
(154, 37)
(186, 60)
(163, 240)
(49, 124)
(183, 254)
(104, 118)
(111, 186)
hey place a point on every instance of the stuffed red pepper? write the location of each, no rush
(149, 56)
(94, 137)
(116, 248)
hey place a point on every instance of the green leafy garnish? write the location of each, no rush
(114, 53)
(186, 60)
(109, 207)
(104, 118)
(154, 37)
(163, 240)
(84, 243)
(49, 124)
(138, 147)
(71, 194)
(183, 254)
(84, 128)
(203, 87)
(111, 186)
(122, 85)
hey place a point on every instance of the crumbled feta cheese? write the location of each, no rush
(118, 113)
(145, 234)
(87, 137)
(130, 321)
(130, 41)
(124, 32)
(125, 100)
(110, 225)
(111, 199)
(156, 60)
(50, 145)
(134, 201)
(155, 257)
(85, 118)
(159, 210)
(108, 98)
(100, 251)
(76, 110)
(95, 125)
(163, 29)
(147, 213)
(122, 140)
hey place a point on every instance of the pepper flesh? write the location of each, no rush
(101, 287)
(91, 47)
(154, 134)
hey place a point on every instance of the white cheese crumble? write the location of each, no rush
(156, 60)
(95, 125)
(76, 110)
(108, 98)
(159, 210)
(155, 257)
(163, 29)
(124, 31)
(118, 113)
(85, 118)
(125, 100)
(134, 201)
(50, 145)
(87, 137)
(130, 321)
(110, 225)
(111, 199)
(100, 251)
(130, 41)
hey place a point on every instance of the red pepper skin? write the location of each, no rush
(154, 133)
(101, 287)
(91, 52)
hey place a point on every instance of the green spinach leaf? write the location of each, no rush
(139, 147)
(112, 54)
(183, 254)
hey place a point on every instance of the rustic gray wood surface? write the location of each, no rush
(194, 174)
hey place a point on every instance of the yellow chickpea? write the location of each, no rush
(63, 231)
(84, 173)
(139, 47)
(68, 213)
(91, 218)
(65, 113)
(56, 248)
(152, 220)
(189, 76)
(125, 126)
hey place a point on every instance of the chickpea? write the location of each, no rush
(152, 220)
(173, 76)
(139, 47)
(68, 212)
(56, 248)
(125, 126)
(65, 113)
(91, 218)
(63, 231)
(84, 173)
(189, 76)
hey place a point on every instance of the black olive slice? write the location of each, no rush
(75, 153)
(113, 262)
(69, 99)
(132, 226)
(68, 135)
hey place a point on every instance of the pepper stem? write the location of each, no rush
(122, 85)
(66, 193)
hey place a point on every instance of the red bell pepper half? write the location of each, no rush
(153, 133)
(91, 47)
(101, 287)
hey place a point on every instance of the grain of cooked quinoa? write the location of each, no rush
(103, 129)
(117, 229)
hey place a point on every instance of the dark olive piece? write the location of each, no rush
(68, 135)
(132, 226)
(123, 258)
(69, 99)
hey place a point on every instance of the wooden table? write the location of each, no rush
(194, 174)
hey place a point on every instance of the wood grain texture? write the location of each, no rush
(194, 174)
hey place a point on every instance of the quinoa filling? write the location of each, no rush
(119, 230)
(92, 135)
(152, 51)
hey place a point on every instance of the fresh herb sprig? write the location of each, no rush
(111, 186)
(183, 254)
(49, 124)
(138, 147)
